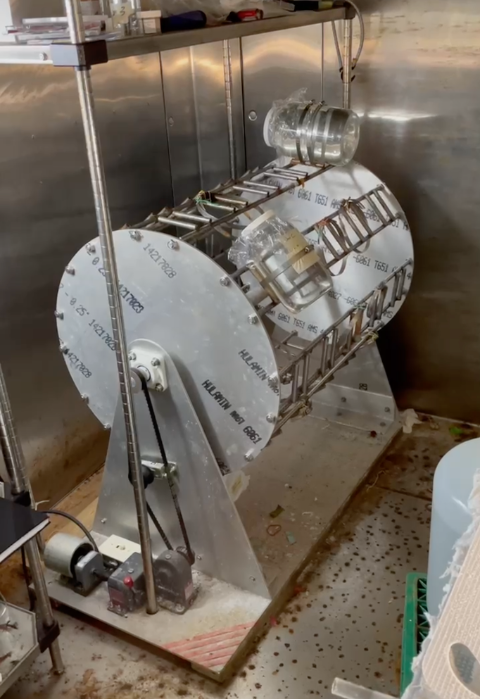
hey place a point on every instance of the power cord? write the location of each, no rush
(73, 519)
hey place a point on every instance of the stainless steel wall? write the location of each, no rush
(46, 214)
(417, 89)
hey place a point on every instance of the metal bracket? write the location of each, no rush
(85, 55)
(158, 469)
(147, 358)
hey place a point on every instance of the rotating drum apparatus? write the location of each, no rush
(219, 365)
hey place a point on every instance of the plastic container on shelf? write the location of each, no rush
(289, 268)
(312, 132)
(453, 483)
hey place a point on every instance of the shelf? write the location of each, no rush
(40, 54)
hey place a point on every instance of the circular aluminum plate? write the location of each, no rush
(173, 296)
(364, 269)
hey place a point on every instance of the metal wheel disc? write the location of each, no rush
(175, 296)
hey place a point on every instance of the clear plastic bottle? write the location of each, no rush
(287, 266)
(453, 484)
(312, 132)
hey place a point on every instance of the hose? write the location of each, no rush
(77, 522)
(361, 37)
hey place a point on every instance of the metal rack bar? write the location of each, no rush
(337, 344)
(155, 43)
(347, 64)
(333, 229)
(261, 185)
(97, 176)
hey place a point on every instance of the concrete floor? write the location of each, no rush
(345, 618)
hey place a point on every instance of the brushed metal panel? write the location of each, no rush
(46, 213)
(193, 80)
(418, 89)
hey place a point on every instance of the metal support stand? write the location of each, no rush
(99, 187)
(17, 473)
(347, 64)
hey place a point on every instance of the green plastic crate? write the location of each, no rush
(415, 625)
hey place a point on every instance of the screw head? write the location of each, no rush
(225, 281)
(343, 399)
(58, 314)
(273, 380)
(84, 397)
(387, 410)
(171, 121)
(135, 235)
(158, 387)
(103, 521)
(271, 418)
(155, 362)
(252, 115)
(107, 426)
(63, 347)
(70, 270)
(167, 556)
(173, 245)
(253, 319)
(132, 356)
(249, 456)
(90, 248)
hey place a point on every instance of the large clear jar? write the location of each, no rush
(288, 267)
(312, 132)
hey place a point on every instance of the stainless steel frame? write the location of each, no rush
(15, 465)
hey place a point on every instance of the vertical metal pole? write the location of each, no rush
(347, 64)
(17, 473)
(228, 103)
(99, 187)
(322, 62)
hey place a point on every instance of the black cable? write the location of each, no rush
(165, 461)
(77, 523)
(158, 526)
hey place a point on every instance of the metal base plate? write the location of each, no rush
(207, 636)
(364, 270)
(173, 295)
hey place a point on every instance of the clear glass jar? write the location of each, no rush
(289, 268)
(312, 132)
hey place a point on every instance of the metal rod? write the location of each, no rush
(322, 63)
(99, 187)
(347, 64)
(228, 104)
(17, 473)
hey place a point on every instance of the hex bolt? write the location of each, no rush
(387, 410)
(136, 235)
(172, 244)
(58, 314)
(225, 281)
(273, 380)
(158, 387)
(84, 397)
(107, 426)
(271, 418)
(70, 270)
(90, 248)
(155, 362)
(253, 319)
(63, 347)
(249, 456)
